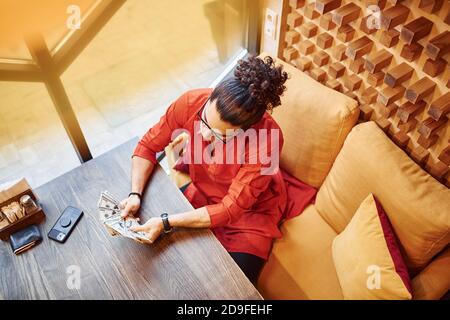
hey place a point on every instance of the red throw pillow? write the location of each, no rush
(392, 244)
(367, 256)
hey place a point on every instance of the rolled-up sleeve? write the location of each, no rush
(242, 194)
(159, 136)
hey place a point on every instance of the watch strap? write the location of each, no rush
(166, 224)
(135, 194)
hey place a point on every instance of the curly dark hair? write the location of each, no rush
(255, 88)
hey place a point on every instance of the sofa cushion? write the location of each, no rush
(417, 205)
(315, 121)
(300, 265)
(373, 268)
(433, 281)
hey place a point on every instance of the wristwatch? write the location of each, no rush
(166, 224)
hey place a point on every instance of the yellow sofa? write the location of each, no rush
(325, 148)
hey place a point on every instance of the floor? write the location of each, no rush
(121, 83)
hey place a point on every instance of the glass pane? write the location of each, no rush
(146, 56)
(33, 142)
(49, 17)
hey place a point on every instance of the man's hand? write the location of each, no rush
(130, 206)
(152, 228)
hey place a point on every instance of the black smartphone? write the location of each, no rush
(65, 224)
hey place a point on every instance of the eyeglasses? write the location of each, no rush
(218, 135)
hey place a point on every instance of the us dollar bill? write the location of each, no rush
(109, 215)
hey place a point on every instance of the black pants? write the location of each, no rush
(250, 264)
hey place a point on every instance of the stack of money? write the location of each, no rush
(109, 213)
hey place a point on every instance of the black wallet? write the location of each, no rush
(25, 239)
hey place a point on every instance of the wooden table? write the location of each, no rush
(187, 264)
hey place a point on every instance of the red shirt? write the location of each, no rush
(245, 205)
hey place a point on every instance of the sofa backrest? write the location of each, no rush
(315, 121)
(417, 205)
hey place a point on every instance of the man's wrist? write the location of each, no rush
(135, 194)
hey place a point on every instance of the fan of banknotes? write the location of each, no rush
(109, 211)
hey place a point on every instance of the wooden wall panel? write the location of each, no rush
(391, 56)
